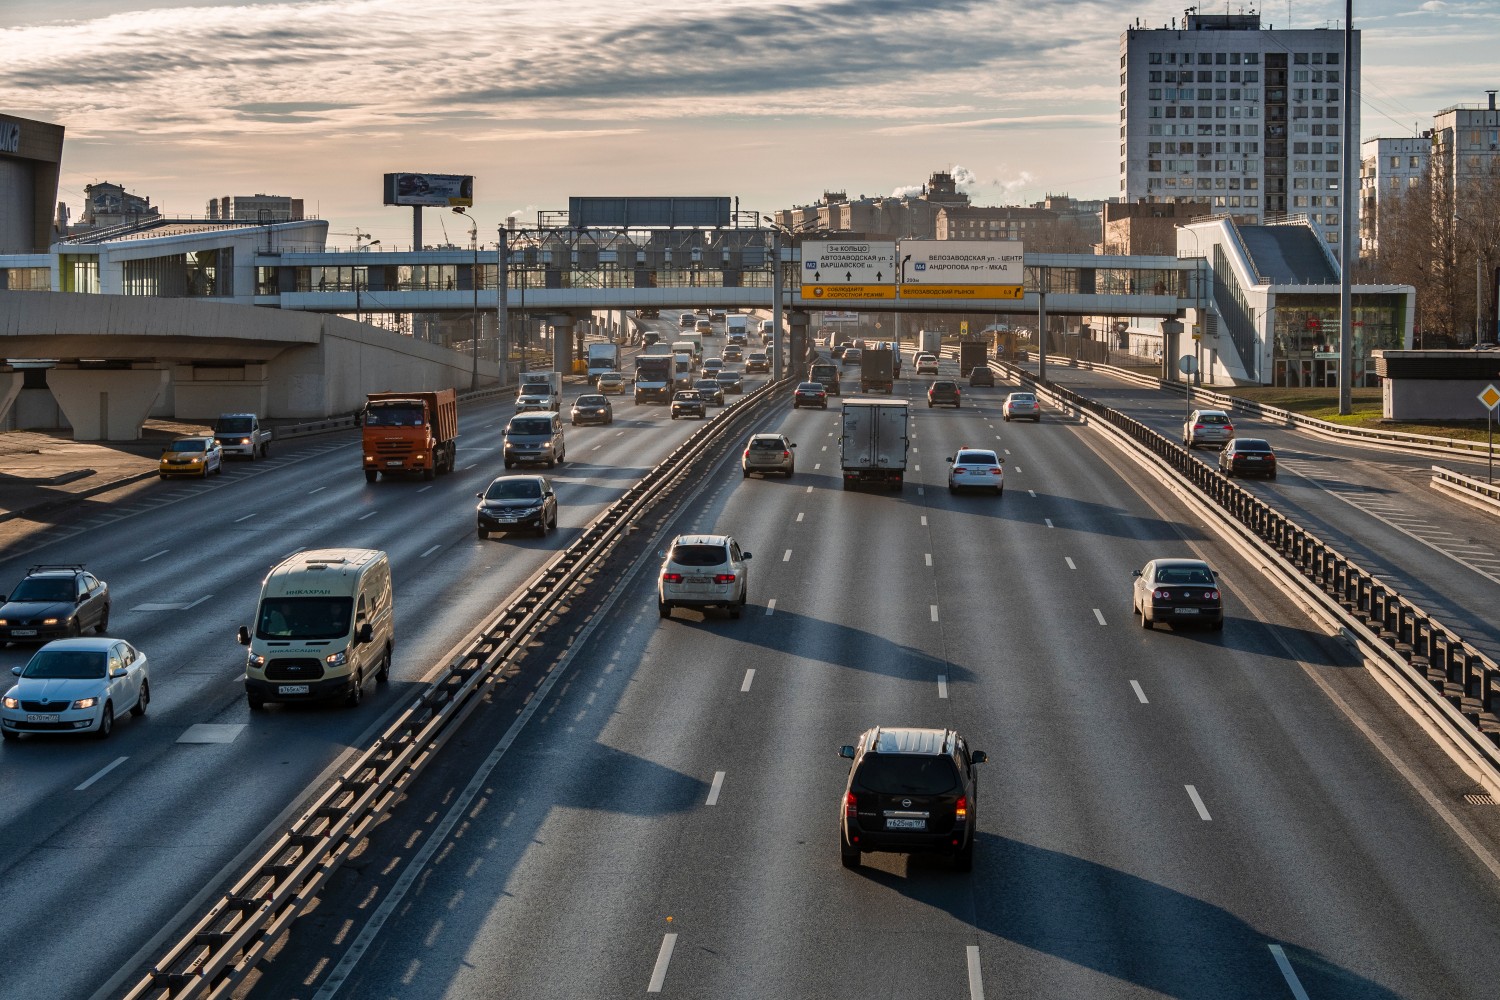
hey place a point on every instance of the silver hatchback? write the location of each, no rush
(768, 453)
(1207, 427)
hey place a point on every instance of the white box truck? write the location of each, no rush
(736, 327)
(872, 445)
(603, 358)
(930, 342)
(324, 628)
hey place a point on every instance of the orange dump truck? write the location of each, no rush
(410, 432)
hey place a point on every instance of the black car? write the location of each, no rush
(1178, 591)
(689, 403)
(52, 602)
(981, 375)
(1248, 457)
(810, 394)
(730, 382)
(910, 791)
(710, 390)
(943, 392)
(594, 408)
(517, 503)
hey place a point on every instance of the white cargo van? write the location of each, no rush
(323, 628)
(736, 327)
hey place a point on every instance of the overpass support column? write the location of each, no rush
(106, 404)
(790, 361)
(562, 343)
(10, 388)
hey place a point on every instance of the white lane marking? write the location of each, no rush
(933, 608)
(1140, 692)
(916, 468)
(771, 605)
(799, 518)
(809, 489)
(618, 433)
(1018, 469)
(927, 558)
(1069, 560)
(749, 676)
(1007, 451)
(825, 447)
(155, 554)
(102, 772)
(1198, 803)
(429, 552)
(596, 447)
(924, 520)
(715, 789)
(942, 685)
(663, 959)
(1048, 520)
(245, 518)
(199, 601)
(371, 514)
(1099, 615)
(786, 556)
(997, 437)
(157, 607)
(1033, 494)
(426, 488)
(817, 466)
(320, 489)
(976, 980)
(468, 467)
(1287, 972)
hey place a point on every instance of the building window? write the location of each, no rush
(1153, 58)
(1299, 58)
(1299, 75)
(1205, 59)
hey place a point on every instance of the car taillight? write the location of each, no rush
(1197, 427)
(723, 578)
(997, 470)
(671, 577)
(851, 805)
(1161, 595)
(786, 454)
(961, 808)
(1211, 595)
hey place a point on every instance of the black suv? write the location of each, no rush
(54, 602)
(944, 392)
(910, 791)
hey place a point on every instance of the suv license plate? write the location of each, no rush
(23, 631)
(906, 824)
(36, 717)
(1187, 611)
(292, 689)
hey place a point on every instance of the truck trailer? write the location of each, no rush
(971, 354)
(877, 370)
(930, 342)
(409, 432)
(872, 445)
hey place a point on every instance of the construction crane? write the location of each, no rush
(358, 236)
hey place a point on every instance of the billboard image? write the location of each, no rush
(430, 190)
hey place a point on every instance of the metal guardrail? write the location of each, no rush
(221, 950)
(1452, 670)
(1474, 492)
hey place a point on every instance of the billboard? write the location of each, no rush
(648, 213)
(430, 190)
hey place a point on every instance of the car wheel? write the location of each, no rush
(509, 464)
(427, 474)
(929, 404)
(265, 450)
(10, 735)
(1145, 620)
(106, 722)
(664, 609)
(541, 526)
(141, 702)
(952, 488)
(383, 672)
(963, 861)
(163, 475)
(371, 474)
(75, 629)
(481, 533)
(255, 701)
(1218, 626)
(848, 857)
(103, 625)
(357, 691)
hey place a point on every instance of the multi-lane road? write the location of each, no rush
(1166, 813)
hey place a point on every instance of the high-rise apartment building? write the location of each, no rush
(1389, 170)
(1466, 150)
(1245, 117)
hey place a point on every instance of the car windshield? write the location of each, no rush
(196, 444)
(699, 555)
(1250, 444)
(534, 425)
(304, 617)
(944, 385)
(768, 444)
(975, 458)
(393, 415)
(913, 774)
(689, 397)
(591, 401)
(810, 387)
(42, 588)
(1212, 418)
(1184, 574)
(708, 384)
(1022, 397)
(513, 489)
(234, 425)
(67, 664)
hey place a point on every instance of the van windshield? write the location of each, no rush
(304, 617)
(535, 425)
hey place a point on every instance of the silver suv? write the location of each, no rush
(1207, 427)
(702, 571)
(768, 453)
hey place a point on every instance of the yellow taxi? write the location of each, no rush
(198, 455)
(612, 383)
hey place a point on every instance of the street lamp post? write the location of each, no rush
(474, 283)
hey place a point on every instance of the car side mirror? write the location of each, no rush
(948, 459)
(16, 671)
(999, 459)
(1135, 572)
(242, 636)
(118, 672)
(794, 444)
(365, 633)
(847, 752)
(978, 757)
(479, 496)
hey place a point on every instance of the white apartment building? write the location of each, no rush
(1245, 117)
(1388, 169)
(255, 208)
(1465, 147)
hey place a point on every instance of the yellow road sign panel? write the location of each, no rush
(910, 291)
(848, 291)
(1490, 397)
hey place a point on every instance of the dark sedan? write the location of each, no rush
(54, 602)
(810, 394)
(517, 503)
(1248, 457)
(981, 375)
(593, 408)
(1177, 590)
(730, 382)
(710, 390)
(689, 403)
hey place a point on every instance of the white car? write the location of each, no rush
(76, 686)
(1021, 406)
(702, 571)
(927, 364)
(977, 469)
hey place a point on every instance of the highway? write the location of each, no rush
(108, 843)
(1166, 813)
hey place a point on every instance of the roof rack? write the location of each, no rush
(43, 567)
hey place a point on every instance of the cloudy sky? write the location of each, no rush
(769, 101)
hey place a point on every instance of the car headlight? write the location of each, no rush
(337, 659)
(255, 660)
(4, 621)
(12, 702)
(50, 621)
(85, 702)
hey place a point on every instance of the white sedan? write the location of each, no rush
(76, 686)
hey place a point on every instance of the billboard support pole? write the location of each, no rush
(416, 227)
(502, 298)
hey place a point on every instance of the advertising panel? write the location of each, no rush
(962, 269)
(430, 190)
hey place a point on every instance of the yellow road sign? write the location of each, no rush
(910, 291)
(848, 291)
(1490, 397)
